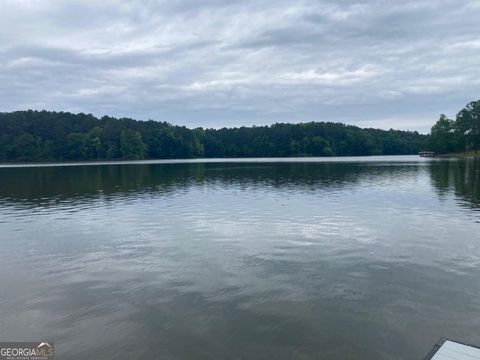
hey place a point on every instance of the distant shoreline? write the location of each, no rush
(52, 136)
(463, 154)
(292, 159)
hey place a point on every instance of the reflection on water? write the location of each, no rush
(460, 177)
(331, 260)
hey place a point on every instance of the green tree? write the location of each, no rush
(467, 125)
(77, 147)
(25, 147)
(442, 135)
(125, 146)
(95, 140)
(4, 147)
(132, 146)
(137, 146)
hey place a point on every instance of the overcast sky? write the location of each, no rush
(216, 63)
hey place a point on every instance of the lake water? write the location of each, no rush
(339, 258)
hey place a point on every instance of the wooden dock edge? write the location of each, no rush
(435, 348)
(439, 344)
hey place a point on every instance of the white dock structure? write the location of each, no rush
(452, 350)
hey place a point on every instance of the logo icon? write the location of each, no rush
(26, 350)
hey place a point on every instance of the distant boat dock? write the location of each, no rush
(426, 153)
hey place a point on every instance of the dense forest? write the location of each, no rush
(458, 135)
(54, 136)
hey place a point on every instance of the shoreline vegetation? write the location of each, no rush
(47, 136)
(459, 136)
(463, 154)
(44, 136)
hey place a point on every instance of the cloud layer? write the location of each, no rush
(215, 63)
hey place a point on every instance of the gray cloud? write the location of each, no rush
(222, 63)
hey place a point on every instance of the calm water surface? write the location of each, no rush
(364, 258)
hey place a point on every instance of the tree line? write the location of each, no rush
(459, 134)
(56, 136)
